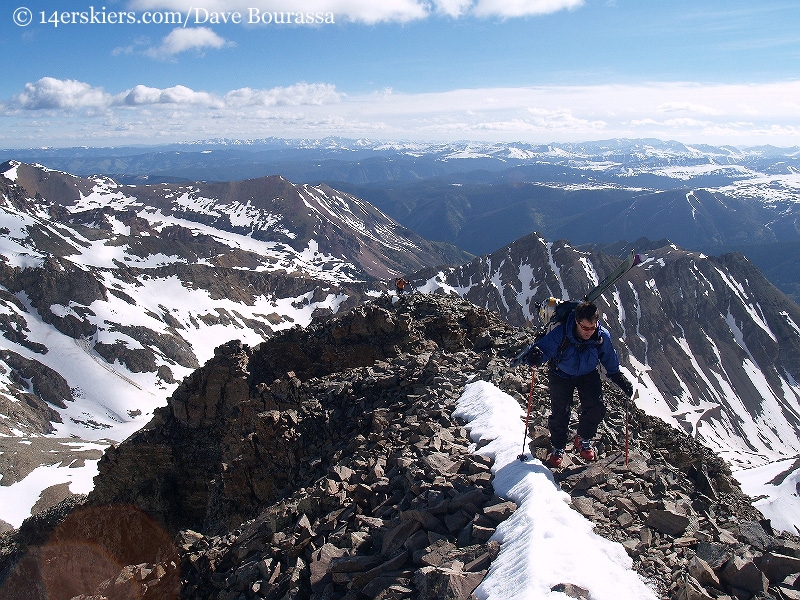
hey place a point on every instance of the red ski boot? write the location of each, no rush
(555, 458)
(584, 448)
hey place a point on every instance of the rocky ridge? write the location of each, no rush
(346, 476)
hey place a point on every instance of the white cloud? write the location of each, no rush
(371, 11)
(452, 8)
(51, 93)
(140, 95)
(294, 95)
(522, 8)
(69, 95)
(179, 40)
(687, 122)
(185, 39)
(563, 119)
(179, 94)
(78, 113)
(687, 107)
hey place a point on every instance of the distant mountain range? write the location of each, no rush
(110, 295)
(482, 196)
(643, 163)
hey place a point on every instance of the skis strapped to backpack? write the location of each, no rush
(613, 277)
(554, 311)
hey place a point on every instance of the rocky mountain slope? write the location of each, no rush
(331, 230)
(481, 217)
(349, 477)
(482, 196)
(143, 276)
(714, 345)
(110, 295)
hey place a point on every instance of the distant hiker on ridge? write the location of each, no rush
(400, 283)
(574, 349)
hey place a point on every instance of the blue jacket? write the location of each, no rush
(578, 357)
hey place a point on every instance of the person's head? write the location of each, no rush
(586, 316)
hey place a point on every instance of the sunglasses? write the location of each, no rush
(585, 328)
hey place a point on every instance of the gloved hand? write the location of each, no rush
(623, 383)
(532, 355)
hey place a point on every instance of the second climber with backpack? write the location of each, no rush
(574, 350)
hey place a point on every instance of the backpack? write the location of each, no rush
(553, 312)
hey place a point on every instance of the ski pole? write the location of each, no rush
(640, 381)
(522, 456)
(626, 430)
(627, 401)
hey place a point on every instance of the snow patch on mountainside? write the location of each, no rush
(18, 499)
(688, 172)
(769, 189)
(774, 489)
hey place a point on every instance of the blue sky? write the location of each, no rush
(498, 70)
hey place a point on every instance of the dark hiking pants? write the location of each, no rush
(592, 409)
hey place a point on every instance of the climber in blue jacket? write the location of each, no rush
(574, 350)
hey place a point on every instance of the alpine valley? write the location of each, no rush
(115, 288)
